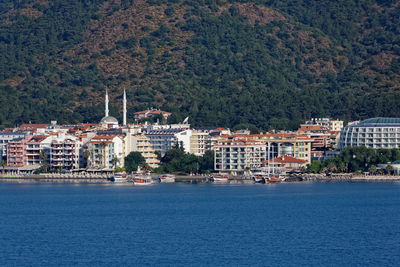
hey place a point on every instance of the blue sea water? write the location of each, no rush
(291, 224)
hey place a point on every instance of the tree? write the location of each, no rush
(43, 161)
(87, 156)
(133, 161)
(103, 146)
(114, 161)
(315, 166)
(372, 169)
(389, 169)
(3, 164)
(207, 162)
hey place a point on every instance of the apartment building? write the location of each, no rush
(106, 152)
(65, 153)
(290, 144)
(38, 148)
(16, 153)
(141, 143)
(165, 139)
(373, 133)
(332, 125)
(6, 137)
(238, 155)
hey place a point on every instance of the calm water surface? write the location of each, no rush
(259, 225)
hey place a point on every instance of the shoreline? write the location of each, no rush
(204, 179)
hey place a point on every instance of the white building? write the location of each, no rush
(166, 139)
(35, 146)
(237, 155)
(106, 152)
(333, 125)
(65, 152)
(373, 133)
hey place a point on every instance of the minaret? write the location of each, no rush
(124, 109)
(106, 111)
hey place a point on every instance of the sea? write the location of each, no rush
(287, 224)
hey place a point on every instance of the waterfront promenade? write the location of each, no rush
(196, 179)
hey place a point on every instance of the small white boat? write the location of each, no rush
(142, 180)
(220, 178)
(167, 178)
(120, 177)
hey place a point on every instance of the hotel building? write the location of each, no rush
(373, 133)
(237, 155)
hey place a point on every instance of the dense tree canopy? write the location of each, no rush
(178, 161)
(133, 161)
(355, 159)
(262, 63)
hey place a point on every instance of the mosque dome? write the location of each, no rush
(109, 120)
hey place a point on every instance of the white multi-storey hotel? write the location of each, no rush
(237, 155)
(373, 133)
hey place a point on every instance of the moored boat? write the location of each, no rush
(273, 179)
(167, 178)
(220, 178)
(142, 180)
(120, 177)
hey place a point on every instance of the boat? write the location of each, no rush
(167, 178)
(273, 179)
(120, 177)
(142, 180)
(219, 178)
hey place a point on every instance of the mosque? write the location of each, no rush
(109, 121)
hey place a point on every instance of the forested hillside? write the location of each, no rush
(267, 63)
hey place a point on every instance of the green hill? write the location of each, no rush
(267, 63)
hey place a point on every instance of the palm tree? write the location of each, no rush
(389, 169)
(43, 160)
(372, 169)
(114, 161)
(3, 164)
(103, 148)
(87, 154)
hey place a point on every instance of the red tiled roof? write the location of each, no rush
(99, 142)
(286, 159)
(104, 137)
(305, 128)
(32, 126)
(37, 138)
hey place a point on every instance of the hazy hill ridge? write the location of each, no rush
(267, 63)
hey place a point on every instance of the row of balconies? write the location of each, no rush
(383, 141)
(375, 130)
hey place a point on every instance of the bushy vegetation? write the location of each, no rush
(133, 161)
(178, 161)
(235, 67)
(356, 159)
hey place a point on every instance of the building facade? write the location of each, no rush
(238, 155)
(65, 153)
(16, 153)
(373, 133)
(165, 139)
(141, 143)
(106, 152)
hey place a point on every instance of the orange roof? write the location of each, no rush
(37, 138)
(104, 137)
(33, 126)
(305, 128)
(286, 159)
(99, 142)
